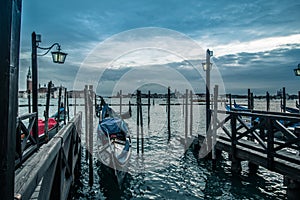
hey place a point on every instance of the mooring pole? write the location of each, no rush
(141, 121)
(230, 101)
(86, 121)
(183, 105)
(34, 86)
(65, 105)
(208, 114)
(214, 132)
(186, 113)
(268, 101)
(249, 99)
(298, 101)
(90, 114)
(148, 108)
(46, 112)
(283, 100)
(120, 102)
(137, 122)
(191, 113)
(29, 100)
(252, 100)
(58, 110)
(10, 20)
(169, 114)
(75, 102)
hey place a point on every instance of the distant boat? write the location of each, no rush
(113, 141)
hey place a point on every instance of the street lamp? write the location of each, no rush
(57, 56)
(297, 70)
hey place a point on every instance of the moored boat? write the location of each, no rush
(113, 140)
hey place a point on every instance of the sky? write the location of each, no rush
(115, 44)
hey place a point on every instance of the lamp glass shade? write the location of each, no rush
(59, 57)
(297, 71)
(205, 66)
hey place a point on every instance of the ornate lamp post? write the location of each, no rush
(57, 56)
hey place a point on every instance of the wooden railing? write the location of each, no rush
(50, 173)
(260, 135)
(26, 144)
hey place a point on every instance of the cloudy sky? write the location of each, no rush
(256, 43)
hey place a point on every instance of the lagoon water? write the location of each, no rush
(169, 169)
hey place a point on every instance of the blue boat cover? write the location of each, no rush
(111, 125)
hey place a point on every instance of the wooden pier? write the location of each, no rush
(259, 137)
(49, 173)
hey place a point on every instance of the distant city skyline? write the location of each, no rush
(256, 43)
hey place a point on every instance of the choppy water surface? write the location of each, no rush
(169, 170)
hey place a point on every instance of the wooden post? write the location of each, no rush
(10, 18)
(65, 105)
(186, 113)
(230, 101)
(34, 86)
(148, 108)
(268, 101)
(86, 121)
(283, 100)
(90, 114)
(183, 105)
(235, 163)
(141, 121)
(58, 110)
(298, 101)
(75, 102)
(249, 99)
(46, 112)
(270, 145)
(214, 132)
(29, 101)
(169, 115)
(120, 102)
(137, 122)
(208, 114)
(191, 113)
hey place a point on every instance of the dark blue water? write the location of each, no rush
(169, 170)
(190, 179)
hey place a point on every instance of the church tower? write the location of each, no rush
(29, 82)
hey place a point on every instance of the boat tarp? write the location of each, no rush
(112, 125)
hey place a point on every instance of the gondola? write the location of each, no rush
(113, 140)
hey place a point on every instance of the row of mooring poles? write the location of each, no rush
(10, 23)
(89, 97)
